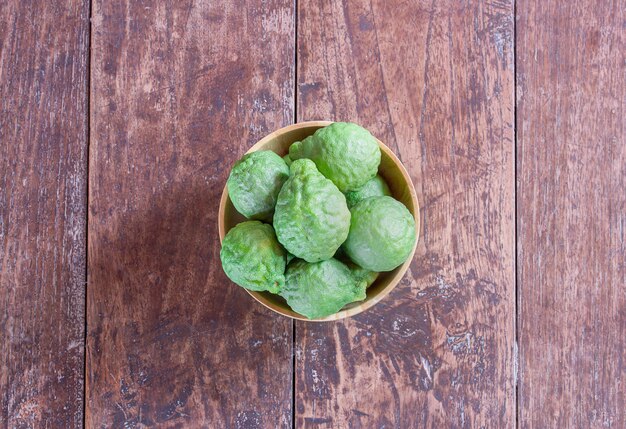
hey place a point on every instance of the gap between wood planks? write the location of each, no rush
(515, 278)
(88, 138)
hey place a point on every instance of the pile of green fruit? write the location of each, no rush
(322, 222)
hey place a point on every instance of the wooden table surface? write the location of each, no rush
(120, 120)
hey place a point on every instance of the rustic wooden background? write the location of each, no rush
(120, 120)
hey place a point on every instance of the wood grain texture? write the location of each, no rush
(180, 90)
(571, 91)
(434, 81)
(43, 169)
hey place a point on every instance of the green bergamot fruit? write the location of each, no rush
(344, 152)
(254, 184)
(311, 217)
(382, 234)
(375, 187)
(320, 289)
(252, 257)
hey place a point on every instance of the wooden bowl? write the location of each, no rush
(390, 169)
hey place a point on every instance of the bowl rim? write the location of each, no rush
(401, 270)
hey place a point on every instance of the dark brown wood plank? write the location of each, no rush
(180, 89)
(43, 172)
(434, 80)
(572, 213)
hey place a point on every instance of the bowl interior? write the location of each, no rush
(401, 187)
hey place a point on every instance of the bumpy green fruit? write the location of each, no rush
(254, 184)
(358, 272)
(287, 159)
(375, 187)
(252, 257)
(382, 234)
(311, 217)
(369, 277)
(344, 152)
(322, 288)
